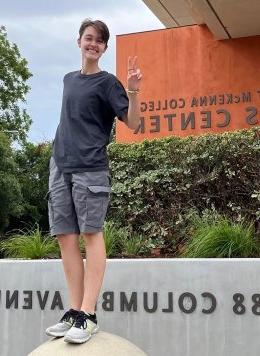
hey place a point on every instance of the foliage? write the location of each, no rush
(213, 235)
(30, 244)
(157, 183)
(13, 89)
(33, 171)
(156, 186)
(120, 242)
(10, 192)
(134, 245)
(82, 246)
(113, 236)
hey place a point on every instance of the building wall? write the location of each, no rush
(182, 307)
(192, 83)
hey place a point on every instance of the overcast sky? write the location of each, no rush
(46, 33)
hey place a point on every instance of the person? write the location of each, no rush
(79, 179)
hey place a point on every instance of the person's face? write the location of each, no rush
(91, 44)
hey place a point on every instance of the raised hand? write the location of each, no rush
(133, 74)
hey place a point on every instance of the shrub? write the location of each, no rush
(217, 236)
(30, 244)
(133, 245)
(156, 183)
(113, 236)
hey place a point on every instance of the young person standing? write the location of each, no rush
(79, 181)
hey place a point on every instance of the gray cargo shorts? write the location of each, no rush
(77, 202)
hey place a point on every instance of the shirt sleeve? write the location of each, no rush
(118, 100)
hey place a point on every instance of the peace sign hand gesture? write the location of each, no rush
(133, 74)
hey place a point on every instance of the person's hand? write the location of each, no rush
(133, 74)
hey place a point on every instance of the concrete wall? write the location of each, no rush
(182, 307)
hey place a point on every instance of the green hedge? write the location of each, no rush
(156, 184)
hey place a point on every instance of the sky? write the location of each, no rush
(46, 33)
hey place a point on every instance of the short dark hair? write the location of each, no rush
(100, 27)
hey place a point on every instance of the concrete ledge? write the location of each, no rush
(166, 307)
(101, 344)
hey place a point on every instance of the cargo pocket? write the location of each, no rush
(97, 203)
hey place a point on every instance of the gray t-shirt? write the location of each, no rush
(90, 104)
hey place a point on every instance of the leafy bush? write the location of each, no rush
(134, 245)
(155, 186)
(156, 183)
(113, 236)
(30, 244)
(120, 242)
(217, 236)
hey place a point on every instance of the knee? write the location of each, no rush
(91, 238)
(68, 241)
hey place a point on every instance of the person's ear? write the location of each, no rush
(78, 41)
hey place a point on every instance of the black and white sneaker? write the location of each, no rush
(62, 327)
(84, 326)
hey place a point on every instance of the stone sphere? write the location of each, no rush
(100, 344)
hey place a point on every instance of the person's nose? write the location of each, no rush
(93, 42)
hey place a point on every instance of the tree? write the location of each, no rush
(10, 192)
(33, 172)
(13, 89)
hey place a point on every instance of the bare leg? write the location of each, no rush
(94, 270)
(73, 267)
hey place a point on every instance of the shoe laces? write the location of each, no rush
(69, 316)
(81, 320)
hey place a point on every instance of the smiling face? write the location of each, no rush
(91, 44)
